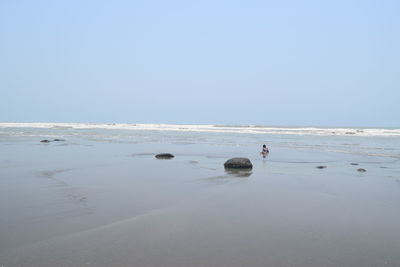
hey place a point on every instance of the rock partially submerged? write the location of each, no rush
(355, 164)
(361, 170)
(164, 156)
(58, 140)
(45, 141)
(238, 163)
(321, 167)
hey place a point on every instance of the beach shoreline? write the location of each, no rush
(101, 198)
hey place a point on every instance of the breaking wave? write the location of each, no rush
(249, 129)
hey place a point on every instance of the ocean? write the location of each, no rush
(379, 142)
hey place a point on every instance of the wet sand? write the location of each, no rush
(107, 204)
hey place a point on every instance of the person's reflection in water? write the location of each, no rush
(264, 163)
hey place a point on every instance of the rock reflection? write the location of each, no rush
(239, 172)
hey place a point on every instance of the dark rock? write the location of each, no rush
(321, 167)
(361, 170)
(355, 164)
(58, 140)
(238, 163)
(164, 156)
(45, 141)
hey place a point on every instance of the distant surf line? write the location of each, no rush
(250, 129)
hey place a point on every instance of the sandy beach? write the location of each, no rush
(101, 198)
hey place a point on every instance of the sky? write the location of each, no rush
(289, 63)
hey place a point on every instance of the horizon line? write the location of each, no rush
(212, 124)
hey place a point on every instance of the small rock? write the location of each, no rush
(45, 141)
(321, 167)
(238, 163)
(164, 156)
(58, 140)
(361, 170)
(355, 164)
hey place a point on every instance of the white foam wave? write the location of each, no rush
(214, 128)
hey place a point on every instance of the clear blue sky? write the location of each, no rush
(234, 62)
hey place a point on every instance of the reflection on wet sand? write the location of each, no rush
(230, 177)
(239, 172)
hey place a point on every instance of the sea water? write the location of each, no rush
(360, 141)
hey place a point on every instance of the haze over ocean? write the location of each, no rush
(298, 63)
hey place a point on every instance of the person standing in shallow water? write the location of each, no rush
(265, 151)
